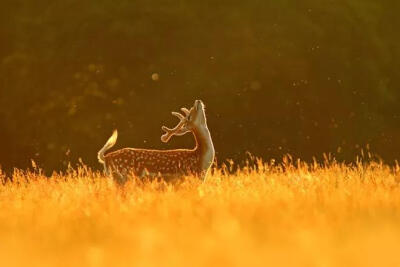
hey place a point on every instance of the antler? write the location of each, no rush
(186, 111)
(170, 132)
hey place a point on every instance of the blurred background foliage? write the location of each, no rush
(299, 77)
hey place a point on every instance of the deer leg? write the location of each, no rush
(119, 178)
(106, 171)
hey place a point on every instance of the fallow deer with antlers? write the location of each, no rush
(164, 163)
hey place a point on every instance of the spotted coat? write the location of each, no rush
(145, 162)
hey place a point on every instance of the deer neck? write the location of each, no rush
(204, 146)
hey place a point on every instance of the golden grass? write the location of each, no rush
(290, 214)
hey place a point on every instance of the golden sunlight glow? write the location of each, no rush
(289, 214)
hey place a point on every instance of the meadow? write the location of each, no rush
(264, 214)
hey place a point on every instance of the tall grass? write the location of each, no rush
(270, 214)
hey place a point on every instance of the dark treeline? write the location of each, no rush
(298, 77)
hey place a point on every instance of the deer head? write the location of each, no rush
(193, 118)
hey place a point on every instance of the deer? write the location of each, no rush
(166, 164)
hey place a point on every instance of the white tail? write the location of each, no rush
(110, 143)
(165, 163)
